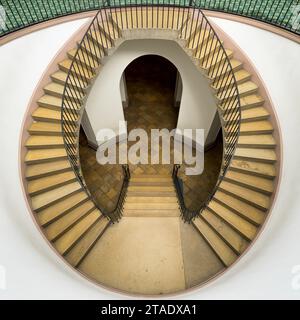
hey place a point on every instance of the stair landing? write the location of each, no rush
(151, 255)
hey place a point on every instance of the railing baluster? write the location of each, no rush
(220, 69)
(77, 78)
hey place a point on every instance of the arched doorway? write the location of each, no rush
(152, 87)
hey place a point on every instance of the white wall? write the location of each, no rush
(266, 271)
(123, 91)
(34, 271)
(104, 104)
(178, 91)
(88, 130)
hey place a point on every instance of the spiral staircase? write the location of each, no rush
(65, 211)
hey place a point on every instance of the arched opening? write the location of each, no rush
(153, 88)
(155, 82)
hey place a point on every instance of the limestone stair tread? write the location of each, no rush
(111, 28)
(154, 199)
(44, 169)
(256, 127)
(216, 73)
(149, 179)
(49, 115)
(61, 77)
(253, 182)
(213, 46)
(45, 128)
(150, 188)
(240, 76)
(151, 205)
(61, 225)
(245, 88)
(248, 115)
(258, 113)
(257, 141)
(244, 227)
(40, 185)
(97, 52)
(76, 255)
(37, 141)
(151, 194)
(64, 243)
(254, 215)
(257, 199)
(55, 103)
(190, 27)
(84, 73)
(84, 58)
(247, 102)
(45, 155)
(99, 36)
(45, 114)
(60, 208)
(260, 169)
(48, 198)
(152, 213)
(252, 154)
(230, 236)
(151, 184)
(196, 37)
(218, 245)
(211, 63)
(50, 102)
(253, 100)
(57, 90)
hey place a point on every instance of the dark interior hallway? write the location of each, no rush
(150, 82)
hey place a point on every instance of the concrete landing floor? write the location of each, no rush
(151, 256)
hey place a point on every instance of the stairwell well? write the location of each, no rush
(151, 251)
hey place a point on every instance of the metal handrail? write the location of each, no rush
(207, 47)
(90, 49)
(284, 14)
(220, 69)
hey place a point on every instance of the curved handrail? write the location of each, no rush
(212, 58)
(218, 68)
(89, 50)
(15, 15)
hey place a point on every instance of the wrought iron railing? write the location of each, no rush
(15, 15)
(200, 37)
(215, 62)
(84, 67)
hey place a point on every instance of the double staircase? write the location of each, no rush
(64, 210)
